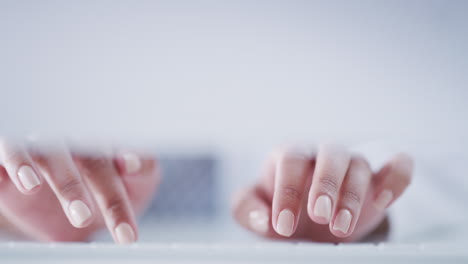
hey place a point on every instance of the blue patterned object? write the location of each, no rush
(187, 188)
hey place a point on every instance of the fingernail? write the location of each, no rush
(79, 212)
(124, 234)
(132, 163)
(323, 207)
(343, 221)
(384, 199)
(259, 221)
(285, 223)
(28, 177)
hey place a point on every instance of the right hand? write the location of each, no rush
(54, 194)
(331, 195)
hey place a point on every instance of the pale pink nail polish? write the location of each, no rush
(285, 223)
(259, 221)
(323, 207)
(79, 212)
(343, 221)
(132, 163)
(28, 177)
(124, 234)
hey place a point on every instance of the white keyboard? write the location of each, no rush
(265, 252)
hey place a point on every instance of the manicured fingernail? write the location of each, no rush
(28, 177)
(343, 221)
(259, 221)
(285, 223)
(132, 163)
(124, 234)
(79, 212)
(323, 207)
(384, 199)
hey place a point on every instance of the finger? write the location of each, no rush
(252, 211)
(65, 180)
(392, 180)
(330, 169)
(111, 196)
(130, 163)
(140, 174)
(352, 196)
(3, 174)
(43, 221)
(293, 168)
(20, 167)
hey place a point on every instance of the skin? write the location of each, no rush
(294, 179)
(100, 179)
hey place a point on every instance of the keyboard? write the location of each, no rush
(260, 252)
(207, 239)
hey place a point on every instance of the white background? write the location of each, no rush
(237, 77)
(234, 72)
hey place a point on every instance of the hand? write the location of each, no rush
(54, 194)
(329, 196)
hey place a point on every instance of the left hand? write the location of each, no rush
(57, 194)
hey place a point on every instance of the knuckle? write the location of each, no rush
(351, 197)
(14, 155)
(329, 183)
(95, 162)
(70, 186)
(115, 207)
(292, 192)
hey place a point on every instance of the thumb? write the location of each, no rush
(253, 212)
